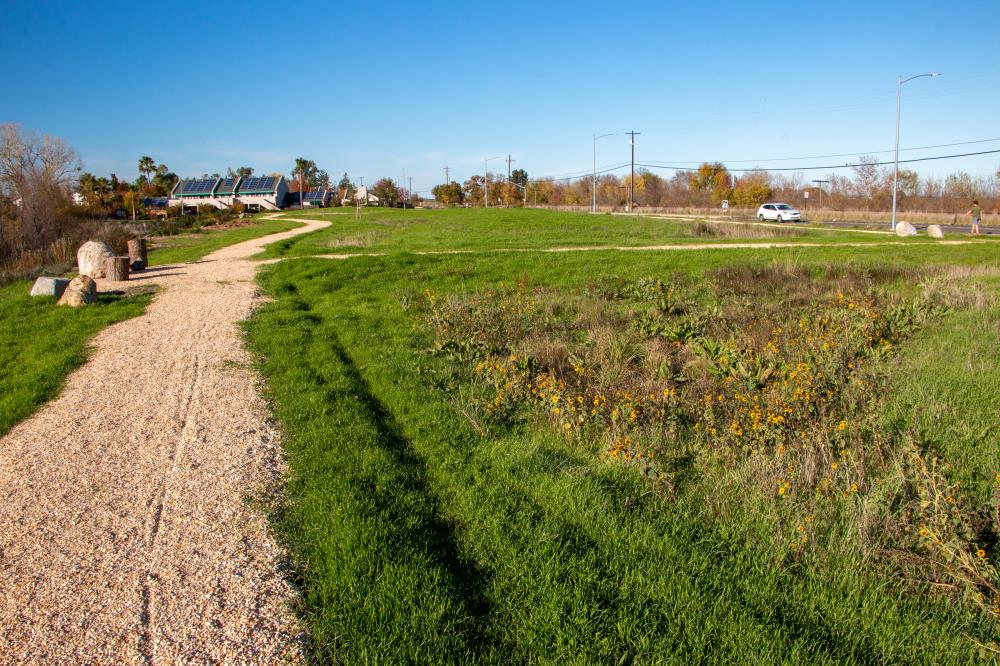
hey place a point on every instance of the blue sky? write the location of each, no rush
(387, 89)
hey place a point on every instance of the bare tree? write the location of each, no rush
(868, 177)
(36, 172)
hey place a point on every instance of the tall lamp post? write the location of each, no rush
(895, 170)
(593, 205)
(486, 179)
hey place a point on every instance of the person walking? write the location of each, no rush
(977, 215)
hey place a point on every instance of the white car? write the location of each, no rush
(778, 212)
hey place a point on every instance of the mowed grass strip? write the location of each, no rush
(41, 343)
(393, 230)
(419, 539)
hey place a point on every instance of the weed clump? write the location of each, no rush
(757, 391)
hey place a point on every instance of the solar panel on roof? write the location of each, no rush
(315, 195)
(226, 185)
(199, 186)
(258, 183)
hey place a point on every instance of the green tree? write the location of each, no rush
(239, 172)
(519, 176)
(307, 171)
(147, 166)
(163, 181)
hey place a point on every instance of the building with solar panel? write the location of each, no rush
(262, 192)
(316, 198)
(156, 206)
(254, 192)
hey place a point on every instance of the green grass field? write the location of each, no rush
(440, 514)
(393, 230)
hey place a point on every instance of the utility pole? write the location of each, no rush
(409, 191)
(819, 186)
(631, 182)
(446, 181)
(508, 166)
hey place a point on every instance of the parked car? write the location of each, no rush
(778, 212)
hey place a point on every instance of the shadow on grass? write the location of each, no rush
(464, 578)
(389, 560)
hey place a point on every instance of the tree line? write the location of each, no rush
(867, 187)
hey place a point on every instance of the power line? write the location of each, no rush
(828, 167)
(850, 154)
(579, 174)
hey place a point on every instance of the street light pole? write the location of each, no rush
(895, 170)
(593, 205)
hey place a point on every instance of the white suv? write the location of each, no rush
(779, 212)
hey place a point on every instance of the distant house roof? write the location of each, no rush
(227, 186)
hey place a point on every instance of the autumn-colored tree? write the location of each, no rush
(448, 193)
(713, 179)
(751, 190)
(387, 192)
(472, 191)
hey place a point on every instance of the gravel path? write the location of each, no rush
(131, 526)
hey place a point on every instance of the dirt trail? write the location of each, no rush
(128, 532)
(676, 247)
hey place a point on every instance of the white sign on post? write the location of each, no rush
(725, 204)
(805, 194)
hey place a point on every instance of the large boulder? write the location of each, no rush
(49, 286)
(91, 256)
(934, 231)
(904, 229)
(81, 291)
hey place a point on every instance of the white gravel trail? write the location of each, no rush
(131, 529)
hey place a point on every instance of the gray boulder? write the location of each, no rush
(91, 256)
(81, 291)
(934, 231)
(904, 229)
(49, 286)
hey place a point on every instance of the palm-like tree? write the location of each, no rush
(146, 166)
